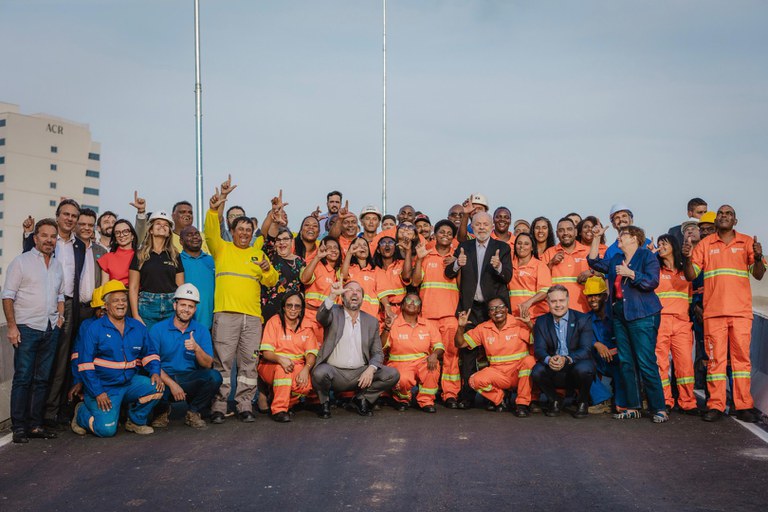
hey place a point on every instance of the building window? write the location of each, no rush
(1, 233)
(51, 203)
(94, 156)
(52, 184)
(2, 178)
(2, 142)
(53, 167)
(2, 196)
(2, 122)
(1, 215)
(2, 159)
(94, 208)
(54, 149)
(92, 174)
(91, 191)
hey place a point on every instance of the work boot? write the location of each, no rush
(138, 429)
(194, 420)
(162, 420)
(76, 428)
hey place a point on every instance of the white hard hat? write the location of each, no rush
(162, 214)
(480, 199)
(619, 207)
(691, 221)
(187, 291)
(370, 209)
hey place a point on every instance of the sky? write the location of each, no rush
(544, 107)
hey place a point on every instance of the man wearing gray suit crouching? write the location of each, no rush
(351, 356)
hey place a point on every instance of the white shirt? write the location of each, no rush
(348, 352)
(87, 276)
(34, 289)
(65, 254)
(480, 248)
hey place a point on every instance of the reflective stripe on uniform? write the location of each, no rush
(427, 391)
(406, 357)
(439, 285)
(726, 272)
(115, 365)
(742, 375)
(235, 274)
(507, 358)
(281, 382)
(713, 377)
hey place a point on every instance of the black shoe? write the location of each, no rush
(712, 415)
(502, 407)
(745, 415)
(325, 410)
(217, 418)
(362, 406)
(691, 412)
(554, 409)
(41, 433)
(522, 411)
(282, 417)
(246, 417)
(451, 403)
(401, 406)
(429, 408)
(582, 411)
(20, 437)
(465, 404)
(52, 425)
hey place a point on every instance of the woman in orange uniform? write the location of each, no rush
(394, 268)
(358, 266)
(530, 280)
(317, 277)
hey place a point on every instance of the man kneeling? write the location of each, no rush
(505, 341)
(186, 359)
(111, 350)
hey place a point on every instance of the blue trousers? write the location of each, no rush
(199, 385)
(155, 307)
(32, 363)
(600, 392)
(140, 393)
(636, 341)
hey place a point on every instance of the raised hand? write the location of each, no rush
(190, 343)
(496, 261)
(462, 259)
(322, 251)
(216, 200)
(688, 247)
(138, 202)
(227, 187)
(651, 247)
(337, 289)
(264, 263)
(28, 224)
(277, 202)
(316, 213)
(405, 244)
(468, 207)
(598, 230)
(463, 318)
(757, 247)
(421, 251)
(557, 258)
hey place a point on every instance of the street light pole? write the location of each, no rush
(199, 207)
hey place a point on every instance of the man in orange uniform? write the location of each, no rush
(288, 352)
(727, 258)
(414, 347)
(567, 261)
(441, 296)
(505, 342)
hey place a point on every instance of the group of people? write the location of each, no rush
(116, 320)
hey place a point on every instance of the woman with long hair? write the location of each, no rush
(543, 234)
(584, 233)
(305, 243)
(122, 247)
(358, 266)
(155, 272)
(317, 277)
(530, 280)
(279, 250)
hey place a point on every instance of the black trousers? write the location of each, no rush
(578, 375)
(468, 358)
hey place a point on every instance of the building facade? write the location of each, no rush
(42, 160)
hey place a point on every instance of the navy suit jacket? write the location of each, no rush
(580, 337)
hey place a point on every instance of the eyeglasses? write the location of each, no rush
(123, 232)
(293, 306)
(413, 301)
(283, 239)
(500, 307)
(385, 243)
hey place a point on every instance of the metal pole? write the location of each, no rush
(199, 206)
(384, 113)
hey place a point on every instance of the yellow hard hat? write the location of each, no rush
(708, 218)
(113, 286)
(97, 301)
(595, 286)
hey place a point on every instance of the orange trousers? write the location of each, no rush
(493, 380)
(412, 373)
(450, 379)
(676, 336)
(285, 390)
(720, 334)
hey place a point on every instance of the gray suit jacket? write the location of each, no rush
(333, 321)
(98, 251)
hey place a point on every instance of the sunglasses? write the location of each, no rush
(385, 243)
(293, 306)
(415, 302)
(497, 308)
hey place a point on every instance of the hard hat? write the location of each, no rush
(97, 301)
(595, 286)
(187, 291)
(162, 214)
(708, 218)
(480, 199)
(112, 286)
(370, 209)
(619, 207)
(692, 221)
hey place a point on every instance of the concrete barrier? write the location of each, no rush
(759, 357)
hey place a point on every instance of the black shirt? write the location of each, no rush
(158, 274)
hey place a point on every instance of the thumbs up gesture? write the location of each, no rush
(28, 224)
(264, 263)
(496, 261)
(462, 259)
(687, 247)
(758, 248)
(190, 343)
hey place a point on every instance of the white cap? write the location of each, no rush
(691, 221)
(187, 291)
(162, 214)
(370, 209)
(619, 207)
(478, 198)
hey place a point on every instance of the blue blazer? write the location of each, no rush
(640, 299)
(580, 337)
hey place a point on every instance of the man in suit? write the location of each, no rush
(563, 340)
(484, 267)
(351, 357)
(70, 252)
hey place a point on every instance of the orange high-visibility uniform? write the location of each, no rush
(344, 244)
(390, 284)
(367, 279)
(727, 314)
(408, 348)
(507, 353)
(431, 244)
(440, 297)
(675, 334)
(528, 280)
(296, 346)
(316, 292)
(510, 242)
(568, 271)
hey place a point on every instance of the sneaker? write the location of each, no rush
(194, 420)
(162, 420)
(76, 428)
(138, 429)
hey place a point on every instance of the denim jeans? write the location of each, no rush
(155, 307)
(636, 341)
(200, 386)
(32, 362)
